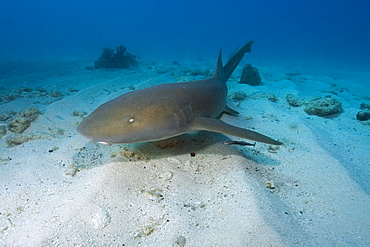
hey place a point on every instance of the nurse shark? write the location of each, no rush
(167, 110)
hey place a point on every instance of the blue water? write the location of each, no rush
(327, 31)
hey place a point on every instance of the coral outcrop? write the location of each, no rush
(2, 131)
(115, 58)
(363, 115)
(250, 75)
(23, 119)
(294, 101)
(323, 107)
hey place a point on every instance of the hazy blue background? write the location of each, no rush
(320, 30)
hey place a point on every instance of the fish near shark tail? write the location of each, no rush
(223, 73)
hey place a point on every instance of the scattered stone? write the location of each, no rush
(5, 160)
(364, 106)
(100, 219)
(366, 123)
(27, 89)
(55, 94)
(166, 176)
(2, 131)
(15, 139)
(132, 155)
(53, 149)
(273, 149)
(238, 96)
(162, 70)
(154, 194)
(270, 185)
(250, 76)
(323, 107)
(39, 93)
(73, 90)
(87, 158)
(131, 87)
(5, 223)
(196, 72)
(6, 117)
(363, 115)
(145, 231)
(78, 114)
(56, 131)
(19, 125)
(71, 170)
(173, 160)
(270, 96)
(180, 241)
(294, 101)
(195, 206)
(11, 97)
(42, 90)
(24, 119)
(185, 71)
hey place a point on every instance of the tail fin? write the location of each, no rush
(224, 72)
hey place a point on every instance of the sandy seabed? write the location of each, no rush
(59, 189)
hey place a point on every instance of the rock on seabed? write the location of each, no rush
(323, 107)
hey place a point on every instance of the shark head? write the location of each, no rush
(138, 116)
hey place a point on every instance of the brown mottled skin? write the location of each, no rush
(168, 110)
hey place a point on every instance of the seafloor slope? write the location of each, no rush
(57, 188)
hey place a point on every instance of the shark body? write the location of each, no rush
(167, 110)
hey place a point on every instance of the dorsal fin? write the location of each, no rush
(219, 70)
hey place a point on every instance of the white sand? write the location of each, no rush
(65, 191)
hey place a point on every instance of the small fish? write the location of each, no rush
(240, 143)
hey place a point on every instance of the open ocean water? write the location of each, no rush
(324, 31)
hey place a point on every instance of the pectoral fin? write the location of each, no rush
(216, 125)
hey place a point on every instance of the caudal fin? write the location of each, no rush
(223, 73)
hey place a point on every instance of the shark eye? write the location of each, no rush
(130, 118)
